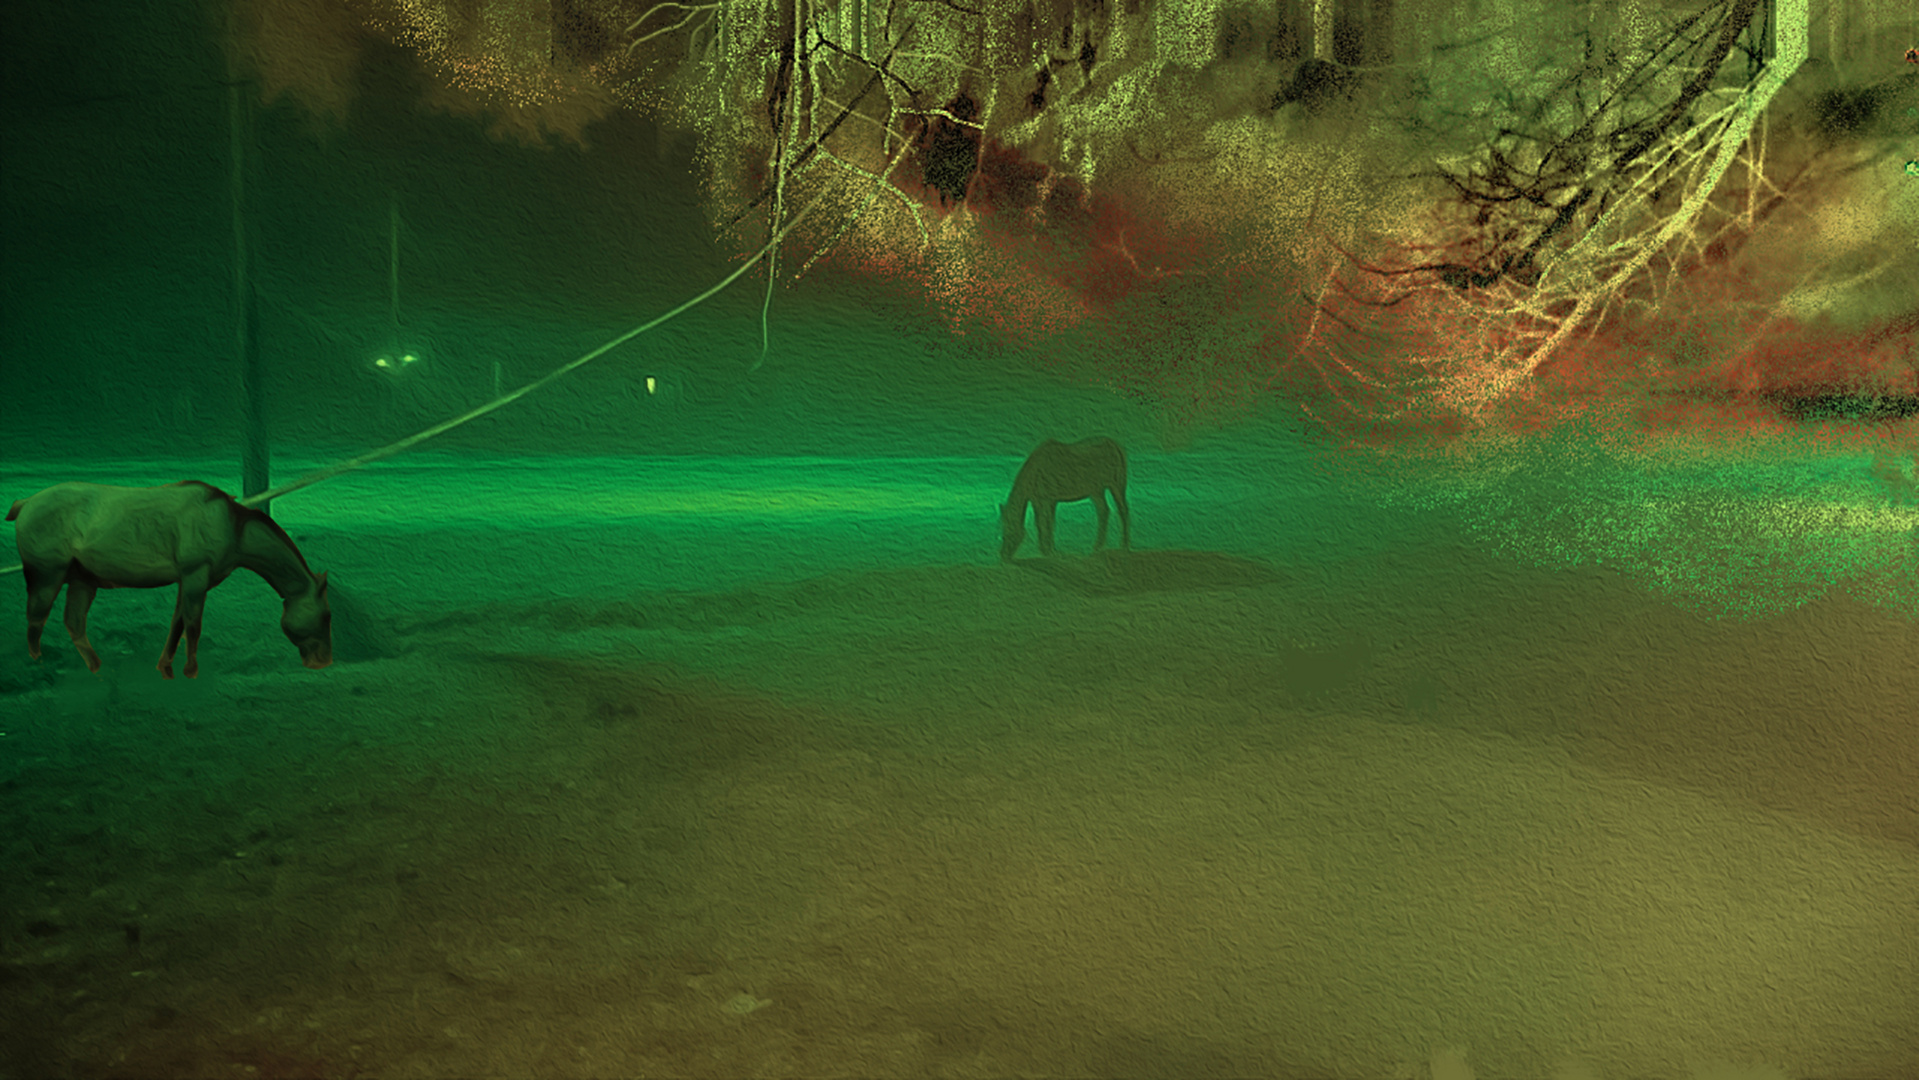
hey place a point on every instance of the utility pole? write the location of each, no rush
(256, 456)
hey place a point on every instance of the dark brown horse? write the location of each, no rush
(1060, 472)
(91, 536)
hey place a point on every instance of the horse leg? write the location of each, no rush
(196, 606)
(42, 589)
(187, 610)
(1100, 511)
(173, 634)
(79, 598)
(1043, 519)
(1125, 518)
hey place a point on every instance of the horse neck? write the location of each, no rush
(266, 554)
(1025, 488)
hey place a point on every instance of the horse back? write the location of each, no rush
(1066, 472)
(127, 536)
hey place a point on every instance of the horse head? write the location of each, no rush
(308, 623)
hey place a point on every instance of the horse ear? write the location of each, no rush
(322, 579)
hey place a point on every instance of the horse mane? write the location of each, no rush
(243, 514)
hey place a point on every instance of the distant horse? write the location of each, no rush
(1060, 472)
(92, 536)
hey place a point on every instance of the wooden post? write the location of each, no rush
(256, 456)
(1381, 33)
(1323, 29)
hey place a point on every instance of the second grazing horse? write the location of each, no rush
(1060, 472)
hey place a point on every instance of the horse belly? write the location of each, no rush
(139, 550)
(128, 568)
(1075, 478)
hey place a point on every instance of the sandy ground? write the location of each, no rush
(1173, 812)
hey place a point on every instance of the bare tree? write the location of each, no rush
(1603, 191)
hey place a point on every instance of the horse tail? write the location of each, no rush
(15, 512)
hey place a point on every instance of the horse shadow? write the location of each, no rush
(1123, 573)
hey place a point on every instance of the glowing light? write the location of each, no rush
(395, 363)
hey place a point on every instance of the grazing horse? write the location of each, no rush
(91, 536)
(1060, 472)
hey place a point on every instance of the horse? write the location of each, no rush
(93, 536)
(1060, 472)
